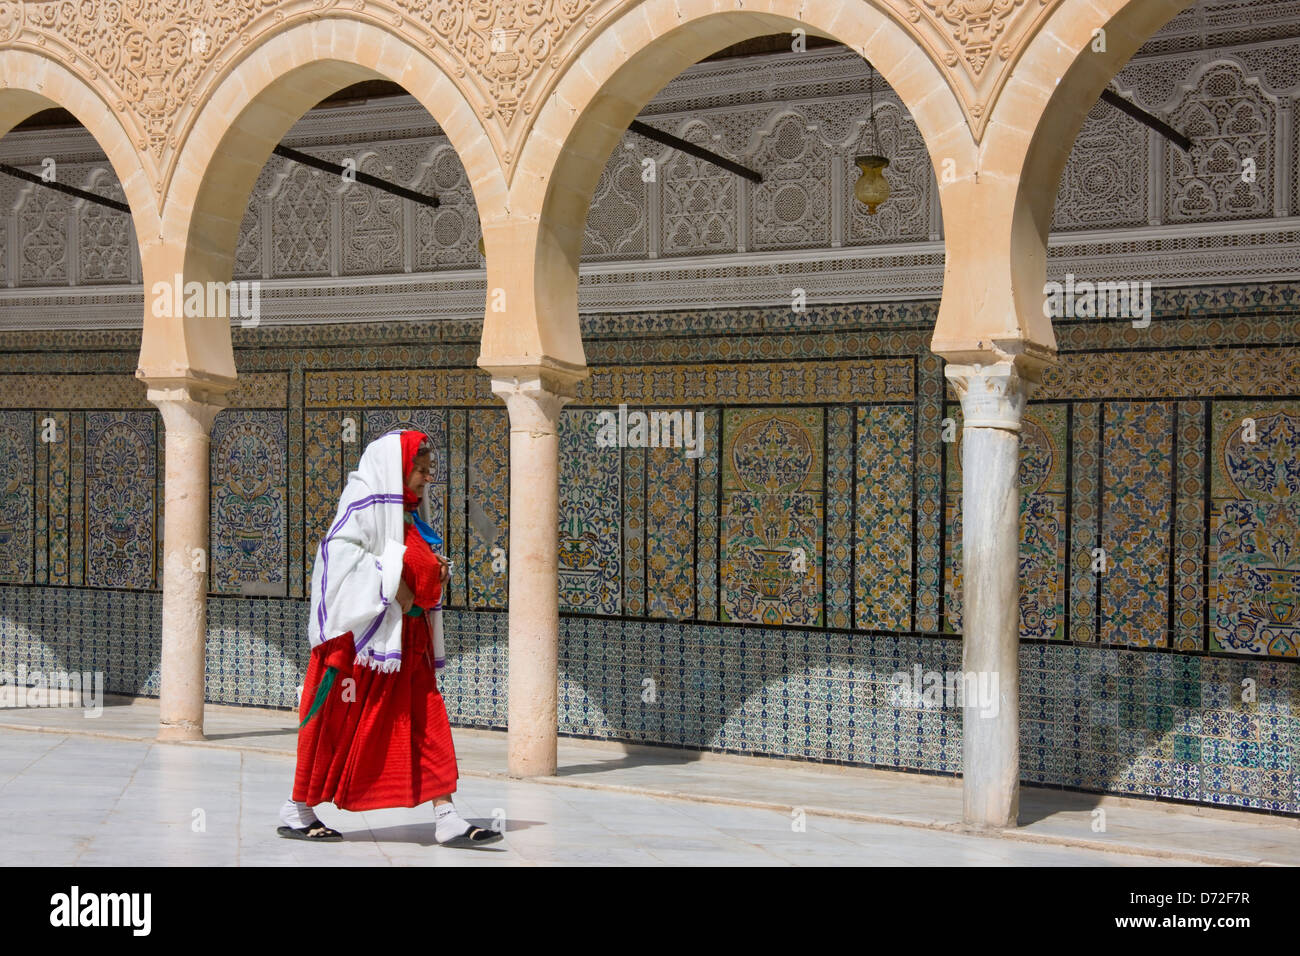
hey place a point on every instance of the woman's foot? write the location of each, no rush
(300, 823)
(451, 830)
(318, 832)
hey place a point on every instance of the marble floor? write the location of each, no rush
(81, 801)
(102, 792)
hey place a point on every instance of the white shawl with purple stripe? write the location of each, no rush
(359, 563)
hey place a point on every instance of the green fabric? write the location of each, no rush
(415, 611)
(321, 694)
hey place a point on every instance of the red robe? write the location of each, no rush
(389, 743)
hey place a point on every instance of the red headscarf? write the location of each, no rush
(411, 442)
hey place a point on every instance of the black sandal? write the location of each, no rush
(316, 832)
(474, 836)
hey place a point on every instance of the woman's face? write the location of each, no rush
(420, 474)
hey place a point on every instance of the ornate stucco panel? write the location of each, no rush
(512, 51)
(152, 62)
(976, 43)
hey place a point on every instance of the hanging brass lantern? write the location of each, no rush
(871, 188)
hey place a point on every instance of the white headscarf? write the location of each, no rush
(359, 563)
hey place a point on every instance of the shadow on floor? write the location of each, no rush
(631, 759)
(421, 834)
(1036, 804)
(286, 731)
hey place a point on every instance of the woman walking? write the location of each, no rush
(374, 731)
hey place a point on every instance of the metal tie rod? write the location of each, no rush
(59, 187)
(699, 152)
(1146, 119)
(317, 163)
(292, 154)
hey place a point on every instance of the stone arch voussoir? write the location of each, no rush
(1031, 132)
(31, 82)
(243, 119)
(536, 249)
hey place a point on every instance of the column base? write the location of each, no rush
(993, 821)
(530, 770)
(990, 829)
(168, 733)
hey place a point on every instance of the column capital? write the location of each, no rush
(992, 396)
(187, 389)
(187, 408)
(534, 396)
(556, 375)
(1029, 356)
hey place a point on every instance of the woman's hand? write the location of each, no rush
(446, 573)
(405, 597)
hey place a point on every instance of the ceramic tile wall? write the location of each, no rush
(688, 619)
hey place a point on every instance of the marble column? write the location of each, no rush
(187, 413)
(534, 405)
(992, 401)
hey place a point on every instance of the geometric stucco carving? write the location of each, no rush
(155, 63)
(976, 43)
